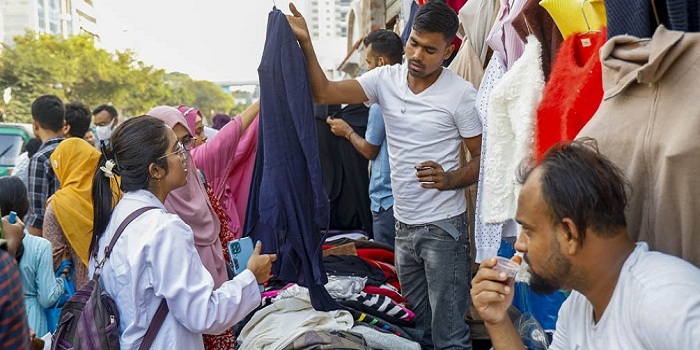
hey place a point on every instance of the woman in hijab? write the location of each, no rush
(227, 161)
(192, 204)
(68, 217)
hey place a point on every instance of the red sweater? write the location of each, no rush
(572, 94)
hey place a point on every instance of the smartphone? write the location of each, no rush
(13, 217)
(241, 250)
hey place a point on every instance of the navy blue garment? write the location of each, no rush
(409, 23)
(287, 206)
(640, 18)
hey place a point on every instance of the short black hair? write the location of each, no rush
(436, 17)
(13, 196)
(581, 184)
(386, 43)
(32, 146)
(79, 118)
(49, 112)
(105, 107)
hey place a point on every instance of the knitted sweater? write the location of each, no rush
(511, 114)
(573, 93)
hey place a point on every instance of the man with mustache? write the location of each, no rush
(574, 236)
(428, 112)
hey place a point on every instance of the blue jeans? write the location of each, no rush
(384, 226)
(434, 271)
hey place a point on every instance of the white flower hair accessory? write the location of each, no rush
(107, 168)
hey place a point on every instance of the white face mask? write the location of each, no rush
(104, 132)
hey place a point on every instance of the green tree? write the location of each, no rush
(204, 95)
(74, 69)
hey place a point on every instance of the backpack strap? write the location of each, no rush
(154, 327)
(163, 310)
(122, 226)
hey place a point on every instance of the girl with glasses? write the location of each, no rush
(156, 256)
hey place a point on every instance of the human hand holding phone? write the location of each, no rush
(245, 256)
(261, 264)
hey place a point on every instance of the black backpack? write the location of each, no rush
(90, 320)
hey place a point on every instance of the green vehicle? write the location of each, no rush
(13, 139)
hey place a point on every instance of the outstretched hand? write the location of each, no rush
(298, 25)
(261, 264)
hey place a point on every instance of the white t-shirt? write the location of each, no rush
(655, 305)
(423, 127)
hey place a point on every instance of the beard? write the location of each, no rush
(560, 268)
(541, 285)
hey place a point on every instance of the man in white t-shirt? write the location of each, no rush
(428, 112)
(572, 210)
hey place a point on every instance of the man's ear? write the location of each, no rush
(66, 129)
(573, 242)
(448, 51)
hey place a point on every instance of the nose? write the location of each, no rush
(521, 243)
(417, 54)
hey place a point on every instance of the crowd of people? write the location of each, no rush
(87, 171)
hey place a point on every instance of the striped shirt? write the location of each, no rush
(503, 37)
(14, 330)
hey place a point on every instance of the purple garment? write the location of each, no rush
(220, 120)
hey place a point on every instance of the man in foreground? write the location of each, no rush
(574, 236)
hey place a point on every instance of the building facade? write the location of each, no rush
(57, 17)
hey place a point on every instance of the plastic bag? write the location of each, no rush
(531, 332)
(53, 313)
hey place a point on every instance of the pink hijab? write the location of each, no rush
(190, 114)
(191, 203)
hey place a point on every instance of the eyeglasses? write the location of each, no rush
(188, 142)
(179, 149)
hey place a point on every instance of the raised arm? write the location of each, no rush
(323, 90)
(249, 115)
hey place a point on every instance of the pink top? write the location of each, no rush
(227, 162)
(503, 37)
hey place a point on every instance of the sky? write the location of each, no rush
(216, 40)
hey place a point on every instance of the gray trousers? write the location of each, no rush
(434, 272)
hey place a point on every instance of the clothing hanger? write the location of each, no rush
(585, 18)
(586, 41)
(527, 25)
(656, 13)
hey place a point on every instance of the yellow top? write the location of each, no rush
(570, 16)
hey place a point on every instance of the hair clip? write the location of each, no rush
(107, 169)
